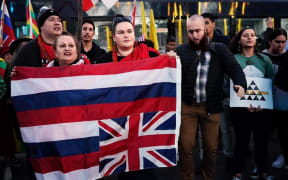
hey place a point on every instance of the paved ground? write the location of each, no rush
(20, 170)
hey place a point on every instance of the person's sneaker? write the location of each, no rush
(236, 178)
(279, 162)
(253, 174)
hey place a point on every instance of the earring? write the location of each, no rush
(239, 47)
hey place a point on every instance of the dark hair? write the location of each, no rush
(235, 42)
(236, 47)
(210, 16)
(89, 22)
(170, 39)
(277, 32)
(65, 33)
(118, 18)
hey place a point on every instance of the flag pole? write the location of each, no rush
(80, 21)
(2, 22)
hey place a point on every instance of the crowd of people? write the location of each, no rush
(208, 60)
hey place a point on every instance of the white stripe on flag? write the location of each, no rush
(57, 132)
(39, 85)
(81, 174)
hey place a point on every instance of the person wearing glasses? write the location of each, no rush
(279, 56)
(202, 95)
(126, 48)
(252, 120)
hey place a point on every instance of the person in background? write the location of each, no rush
(6, 55)
(39, 52)
(264, 38)
(251, 120)
(88, 47)
(170, 45)
(202, 95)
(127, 49)
(66, 51)
(226, 130)
(279, 56)
(214, 34)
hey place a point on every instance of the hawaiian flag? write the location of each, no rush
(31, 21)
(7, 35)
(91, 121)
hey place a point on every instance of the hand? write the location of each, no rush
(270, 22)
(171, 54)
(240, 90)
(251, 108)
(259, 108)
(13, 72)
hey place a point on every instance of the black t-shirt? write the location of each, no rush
(94, 54)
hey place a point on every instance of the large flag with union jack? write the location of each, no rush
(91, 121)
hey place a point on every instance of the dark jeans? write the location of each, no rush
(245, 124)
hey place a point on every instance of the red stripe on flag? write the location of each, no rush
(96, 69)
(159, 158)
(109, 129)
(137, 142)
(94, 111)
(65, 164)
(133, 145)
(111, 169)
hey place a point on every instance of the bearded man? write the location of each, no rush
(203, 66)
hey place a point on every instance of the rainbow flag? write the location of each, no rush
(7, 35)
(31, 21)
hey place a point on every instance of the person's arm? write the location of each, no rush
(233, 69)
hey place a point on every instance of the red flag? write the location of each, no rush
(88, 4)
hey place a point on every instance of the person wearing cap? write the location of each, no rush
(89, 48)
(39, 52)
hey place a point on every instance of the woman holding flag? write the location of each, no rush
(127, 49)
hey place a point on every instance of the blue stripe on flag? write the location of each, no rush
(94, 96)
(63, 148)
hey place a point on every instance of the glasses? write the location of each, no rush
(278, 42)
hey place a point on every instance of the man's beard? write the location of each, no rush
(203, 45)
